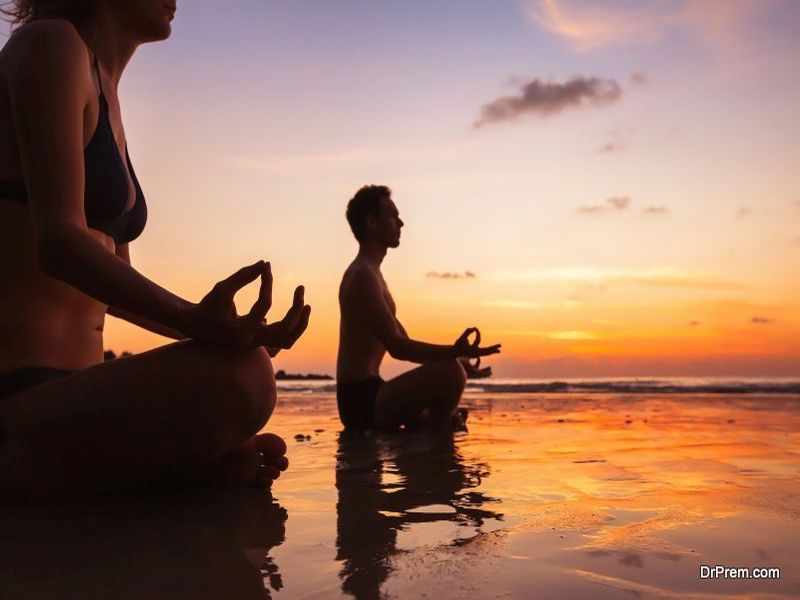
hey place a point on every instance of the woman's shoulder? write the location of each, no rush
(49, 38)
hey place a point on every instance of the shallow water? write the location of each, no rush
(550, 496)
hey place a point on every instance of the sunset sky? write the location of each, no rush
(620, 178)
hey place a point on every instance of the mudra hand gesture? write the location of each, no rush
(464, 348)
(215, 318)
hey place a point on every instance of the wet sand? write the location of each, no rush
(546, 496)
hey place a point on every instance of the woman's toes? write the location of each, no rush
(282, 463)
(270, 445)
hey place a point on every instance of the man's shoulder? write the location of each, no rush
(359, 278)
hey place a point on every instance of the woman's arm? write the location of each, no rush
(124, 253)
(50, 91)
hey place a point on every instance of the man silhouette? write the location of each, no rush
(426, 395)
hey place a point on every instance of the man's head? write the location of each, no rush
(373, 217)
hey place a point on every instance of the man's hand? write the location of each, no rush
(463, 347)
(474, 370)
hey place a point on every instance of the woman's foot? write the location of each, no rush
(259, 461)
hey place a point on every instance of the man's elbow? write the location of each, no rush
(396, 348)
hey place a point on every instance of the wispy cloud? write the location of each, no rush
(543, 98)
(668, 277)
(619, 202)
(450, 275)
(604, 23)
(572, 335)
(565, 335)
(513, 304)
(761, 321)
(656, 210)
(610, 147)
(615, 203)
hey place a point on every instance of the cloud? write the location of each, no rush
(549, 98)
(514, 304)
(761, 321)
(726, 26)
(449, 275)
(572, 335)
(656, 210)
(617, 203)
(609, 148)
(593, 25)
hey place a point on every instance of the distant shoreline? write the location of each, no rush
(282, 375)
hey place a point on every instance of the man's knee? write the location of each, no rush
(452, 375)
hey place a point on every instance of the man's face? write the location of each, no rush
(388, 224)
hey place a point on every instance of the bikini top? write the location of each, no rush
(106, 183)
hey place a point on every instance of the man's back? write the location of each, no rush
(360, 348)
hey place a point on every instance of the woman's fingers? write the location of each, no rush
(292, 315)
(264, 301)
(241, 278)
(302, 324)
(284, 333)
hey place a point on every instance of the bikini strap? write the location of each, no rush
(97, 71)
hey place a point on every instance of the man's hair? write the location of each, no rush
(367, 201)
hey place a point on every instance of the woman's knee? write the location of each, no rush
(254, 383)
(245, 384)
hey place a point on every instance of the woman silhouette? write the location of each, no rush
(70, 204)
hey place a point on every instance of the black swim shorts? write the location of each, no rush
(356, 402)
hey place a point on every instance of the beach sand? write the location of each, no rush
(547, 496)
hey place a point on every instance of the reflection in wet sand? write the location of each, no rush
(203, 544)
(390, 483)
(601, 495)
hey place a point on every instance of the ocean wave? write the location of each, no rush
(637, 387)
(607, 386)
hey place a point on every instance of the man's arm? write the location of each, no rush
(402, 329)
(374, 311)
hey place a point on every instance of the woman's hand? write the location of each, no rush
(215, 319)
(463, 347)
(281, 335)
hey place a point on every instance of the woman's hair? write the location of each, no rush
(19, 12)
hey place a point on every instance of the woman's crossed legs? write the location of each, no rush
(184, 413)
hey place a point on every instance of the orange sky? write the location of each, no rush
(620, 177)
